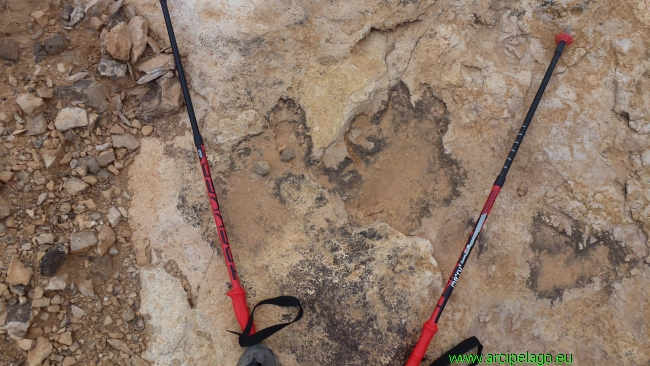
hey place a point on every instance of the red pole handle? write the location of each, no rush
(428, 331)
(238, 297)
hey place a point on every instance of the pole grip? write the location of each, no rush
(238, 297)
(428, 331)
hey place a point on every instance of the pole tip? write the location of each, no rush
(566, 37)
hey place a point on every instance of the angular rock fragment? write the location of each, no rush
(74, 186)
(52, 260)
(82, 241)
(55, 44)
(36, 125)
(164, 62)
(120, 345)
(71, 117)
(118, 42)
(40, 352)
(106, 157)
(111, 68)
(138, 28)
(30, 104)
(77, 15)
(90, 163)
(125, 140)
(162, 99)
(18, 274)
(88, 91)
(105, 239)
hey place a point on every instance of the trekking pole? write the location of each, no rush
(431, 326)
(237, 294)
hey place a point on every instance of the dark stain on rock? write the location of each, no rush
(565, 260)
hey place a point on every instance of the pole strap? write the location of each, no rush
(461, 349)
(247, 340)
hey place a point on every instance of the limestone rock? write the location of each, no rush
(138, 29)
(36, 125)
(229, 132)
(113, 216)
(169, 310)
(26, 344)
(18, 274)
(65, 338)
(40, 352)
(162, 99)
(111, 68)
(71, 117)
(164, 62)
(125, 140)
(30, 104)
(77, 312)
(74, 186)
(118, 42)
(55, 283)
(82, 241)
(88, 91)
(9, 49)
(106, 157)
(40, 17)
(52, 157)
(119, 345)
(105, 239)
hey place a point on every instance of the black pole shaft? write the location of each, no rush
(501, 179)
(198, 140)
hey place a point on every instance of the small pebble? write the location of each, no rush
(261, 168)
(522, 190)
(287, 154)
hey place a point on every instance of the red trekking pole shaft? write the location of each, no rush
(431, 326)
(237, 294)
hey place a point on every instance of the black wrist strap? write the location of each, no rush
(460, 349)
(246, 339)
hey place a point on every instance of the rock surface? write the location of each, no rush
(395, 107)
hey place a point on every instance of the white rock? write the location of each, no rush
(113, 216)
(71, 117)
(55, 283)
(77, 312)
(82, 241)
